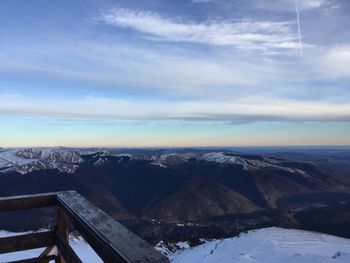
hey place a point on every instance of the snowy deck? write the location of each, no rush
(109, 239)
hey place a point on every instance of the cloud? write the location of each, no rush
(288, 5)
(336, 62)
(201, 1)
(256, 35)
(311, 4)
(167, 70)
(160, 70)
(274, 5)
(239, 111)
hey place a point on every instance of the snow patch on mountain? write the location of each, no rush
(32, 159)
(268, 245)
(165, 160)
(68, 160)
(245, 162)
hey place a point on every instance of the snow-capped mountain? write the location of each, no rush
(68, 160)
(268, 245)
(246, 161)
(189, 191)
(32, 159)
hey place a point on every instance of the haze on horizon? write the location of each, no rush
(174, 73)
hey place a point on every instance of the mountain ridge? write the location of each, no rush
(182, 187)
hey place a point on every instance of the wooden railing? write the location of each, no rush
(111, 241)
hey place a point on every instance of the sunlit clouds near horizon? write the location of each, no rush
(174, 73)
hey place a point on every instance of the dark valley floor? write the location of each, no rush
(184, 193)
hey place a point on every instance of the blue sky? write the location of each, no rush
(174, 73)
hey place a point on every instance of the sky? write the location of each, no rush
(128, 73)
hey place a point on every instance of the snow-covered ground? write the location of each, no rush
(268, 245)
(83, 250)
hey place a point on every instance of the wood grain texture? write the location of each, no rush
(22, 202)
(111, 240)
(27, 241)
(67, 253)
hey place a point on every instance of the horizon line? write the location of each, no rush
(181, 147)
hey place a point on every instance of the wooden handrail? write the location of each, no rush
(111, 241)
(26, 241)
(22, 202)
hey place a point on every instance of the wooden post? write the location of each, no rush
(62, 232)
(111, 241)
(47, 251)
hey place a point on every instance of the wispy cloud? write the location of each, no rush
(209, 62)
(239, 111)
(336, 62)
(178, 73)
(162, 70)
(312, 4)
(201, 1)
(260, 35)
(288, 5)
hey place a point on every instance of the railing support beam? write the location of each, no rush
(110, 240)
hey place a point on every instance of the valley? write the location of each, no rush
(182, 194)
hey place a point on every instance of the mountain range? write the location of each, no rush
(177, 186)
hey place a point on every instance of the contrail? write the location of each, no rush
(299, 31)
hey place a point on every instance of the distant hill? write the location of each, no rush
(177, 186)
